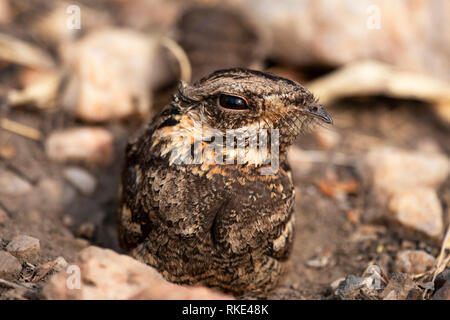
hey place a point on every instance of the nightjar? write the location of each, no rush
(207, 195)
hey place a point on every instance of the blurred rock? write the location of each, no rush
(418, 209)
(81, 179)
(413, 262)
(111, 74)
(53, 190)
(325, 32)
(106, 274)
(10, 267)
(24, 248)
(5, 12)
(13, 185)
(90, 145)
(389, 170)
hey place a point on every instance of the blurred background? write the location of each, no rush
(79, 77)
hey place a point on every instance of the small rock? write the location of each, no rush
(111, 74)
(13, 185)
(391, 170)
(285, 34)
(24, 248)
(10, 267)
(349, 286)
(367, 286)
(108, 275)
(86, 230)
(413, 262)
(419, 210)
(88, 144)
(318, 262)
(81, 179)
(443, 293)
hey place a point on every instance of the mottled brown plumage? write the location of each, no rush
(222, 225)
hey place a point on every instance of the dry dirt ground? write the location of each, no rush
(334, 237)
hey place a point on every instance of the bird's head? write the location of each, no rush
(247, 99)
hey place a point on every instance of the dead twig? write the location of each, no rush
(20, 129)
(180, 55)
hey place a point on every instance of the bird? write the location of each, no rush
(202, 212)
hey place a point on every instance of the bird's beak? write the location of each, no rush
(319, 111)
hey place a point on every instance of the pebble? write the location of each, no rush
(419, 210)
(318, 262)
(111, 74)
(91, 145)
(13, 185)
(24, 248)
(81, 179)
(413, 262)
(347, 287)
(10, 267)
(369, 285)
(390, 170)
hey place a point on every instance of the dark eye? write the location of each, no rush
(232, 102)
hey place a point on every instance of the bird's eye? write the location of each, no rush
(232, 102)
